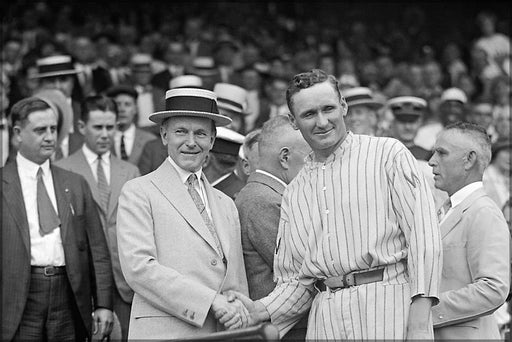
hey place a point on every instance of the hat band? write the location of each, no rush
(67, 66)
(230, 102)
(358, 97)
(191, 103)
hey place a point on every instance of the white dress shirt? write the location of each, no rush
(129, 139)
(184, 174)
(92, 160)
(460, 196)
(45, 250)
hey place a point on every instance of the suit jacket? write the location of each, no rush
(88, 266)
(231, 185)
(140, 140)
(476, 270)
(120, 173)
(169, 257)
(152, 156)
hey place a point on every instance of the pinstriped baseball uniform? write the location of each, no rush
(367, 205)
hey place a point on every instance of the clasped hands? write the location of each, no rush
(235, 310)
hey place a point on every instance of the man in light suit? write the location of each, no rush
(98, 127)
(129, 140)
(56, 271)
(476, 269)
(179, 238)
(282, 151)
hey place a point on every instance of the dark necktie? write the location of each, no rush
(48, 219)
(192, 182)
(441, 213)
(124, 155)
(103, 186)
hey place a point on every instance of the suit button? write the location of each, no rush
(441, 316)
(193, 316)
(214, 262)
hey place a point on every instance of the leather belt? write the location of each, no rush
(48, 271)
(350, 279)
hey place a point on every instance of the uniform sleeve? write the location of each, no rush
(487, 253)
(414, 208)
(293, 295)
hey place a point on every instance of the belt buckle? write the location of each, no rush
(49, 271)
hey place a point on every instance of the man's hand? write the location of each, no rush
(255, 311)
(229, 313)
(419, 324)
(103, 321)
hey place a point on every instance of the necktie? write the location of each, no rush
(48, 219)
(103, 186)
(191, 183)
(441, 213)
(124, 155)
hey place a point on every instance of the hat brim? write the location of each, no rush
(369, 103)
(56, 73)
(159, 117)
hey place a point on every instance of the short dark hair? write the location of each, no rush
(308, 79)
(24, 107)
(97, 102)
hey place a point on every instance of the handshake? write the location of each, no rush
(235, 311)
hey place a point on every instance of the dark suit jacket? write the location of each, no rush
(231, 185)
(120, 173)
(88, 266)
(142, 137)
(152, 156)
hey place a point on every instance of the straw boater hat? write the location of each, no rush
(204, 66)
(454, 94)
(231, 97)
(195, 102)
(227, 141)
(60, 65)
(407, 108)
(186, 81)
(360, 96)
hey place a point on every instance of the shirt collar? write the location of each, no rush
(129, 133)
(91, 157)
(345, 145)
(29, 168)
(183, 174)
(271, 176)
(463, 193)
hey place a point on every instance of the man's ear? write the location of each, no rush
(16, 129)
(284, 156)
(344, 106)
(163, 135)
(291, 117)
(81, 127)
(470, 160)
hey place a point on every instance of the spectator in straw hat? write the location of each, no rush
(154, 152)
(232, 101)
(362, 115)
(221, 165)
(204, 67)
(179, 238)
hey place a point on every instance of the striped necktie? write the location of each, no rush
(192, 182)
(103, 187)
(48, 219)
(124, 155)
(441, 213)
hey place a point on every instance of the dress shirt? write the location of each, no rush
(129, 139)
(145, 106)
(271, 176)
(92, 160)
(184, 174)
(460, 196)
(45, 250)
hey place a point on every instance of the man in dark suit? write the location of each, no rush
(129, 140)
(282, 151)
(56, 270)
(476, 241)
(98, 128)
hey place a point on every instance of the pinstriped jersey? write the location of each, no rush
(367, 205)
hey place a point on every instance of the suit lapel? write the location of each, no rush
(451, 221)
(167, 181)
(138, 145)
(60, 184)
(14, 200)
(117, 179)
(222, 227)
(82, 163)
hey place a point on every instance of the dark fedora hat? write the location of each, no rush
(122, 89)
(194, 102)
(407, 108)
